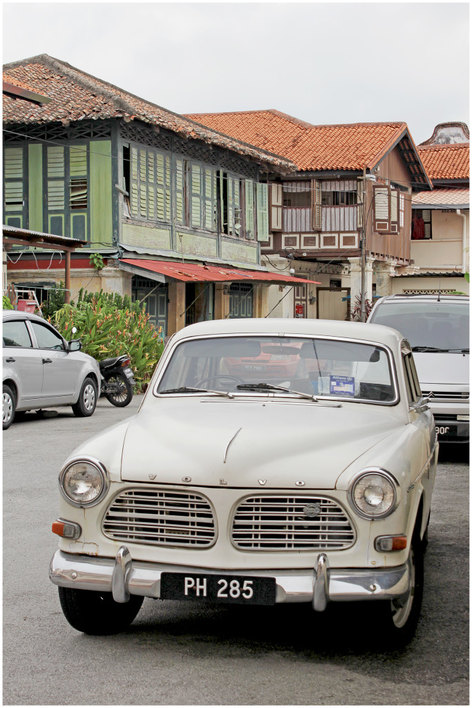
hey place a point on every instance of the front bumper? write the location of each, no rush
(124, 577)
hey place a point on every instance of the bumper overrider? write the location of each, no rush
(122, 576)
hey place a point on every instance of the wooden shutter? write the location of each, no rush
(394, 207)
(316, 204)
(249, 194)
(179, 192)
(402, 209)
(56, 174)
(381, 209)
(134, 182)
(262, 212)
(13, 181)
(209, 196)
(276, 207)
(196, 195)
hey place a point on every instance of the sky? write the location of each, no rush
(321, 62)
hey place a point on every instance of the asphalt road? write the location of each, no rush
(181, 654)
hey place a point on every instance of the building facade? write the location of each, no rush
(143, 188)
(344, 216)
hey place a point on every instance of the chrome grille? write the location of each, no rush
(447, 395)
(280, 523)
(161, 518)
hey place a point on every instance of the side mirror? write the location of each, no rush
(74, 345)
(421, 405)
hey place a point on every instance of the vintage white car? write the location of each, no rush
(246, 479)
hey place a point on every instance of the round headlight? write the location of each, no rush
(374, 495)
(83, 482)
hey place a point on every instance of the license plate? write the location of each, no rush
(234, 589)
(446, 431)
(128, 373)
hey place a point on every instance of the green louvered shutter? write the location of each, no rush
(162, 186)
(134, 196)
(56, 174)
(230, 204)
(237, 207)
(209, 199)
(151, 185)
(196, 195)
(142, 179)
(78, 177)
(179, 192)
(13, 180)
(249, 194)
(262, 212)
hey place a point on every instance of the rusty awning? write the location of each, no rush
(200, 273)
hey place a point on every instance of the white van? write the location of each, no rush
(437, 328)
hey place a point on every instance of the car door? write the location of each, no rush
(22, 362)
(61, 370)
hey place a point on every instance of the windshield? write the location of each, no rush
(259, 364)
(428, 326)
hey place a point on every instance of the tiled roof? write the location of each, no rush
(446, 198)
(312, 147)
(446, 161)
(19, 84)
(77, 96)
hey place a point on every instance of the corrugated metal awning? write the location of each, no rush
(200, 273)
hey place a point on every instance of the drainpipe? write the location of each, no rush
(464, 241)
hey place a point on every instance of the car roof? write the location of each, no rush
(300, 327)
(20, 315)
(437, 297)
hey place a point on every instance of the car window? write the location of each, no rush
(333, 368)
(15, 334)
(46, 337)
(437, 324)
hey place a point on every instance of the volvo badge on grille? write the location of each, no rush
(311, 510)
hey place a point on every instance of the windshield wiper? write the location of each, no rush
(190, 389)
(428, 349)
(270, 387)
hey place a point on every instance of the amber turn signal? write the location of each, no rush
(390, 543)
(66, 529)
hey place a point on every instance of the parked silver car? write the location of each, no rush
(41, 369)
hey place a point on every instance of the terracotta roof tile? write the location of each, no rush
(449, 161)
(312, 147)
(77, 96)
(446, 198)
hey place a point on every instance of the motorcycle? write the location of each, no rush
(117, 380)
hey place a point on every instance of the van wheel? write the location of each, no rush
(94, 612)
(87, 400)
(9, 406)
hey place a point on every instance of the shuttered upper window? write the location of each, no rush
(150, 178)
(389, 209)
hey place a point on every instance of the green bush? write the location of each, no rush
(110, 325)
(7, 303)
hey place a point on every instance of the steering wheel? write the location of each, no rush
(218, 378)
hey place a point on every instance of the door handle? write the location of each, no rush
(47, 361)
(10, 360)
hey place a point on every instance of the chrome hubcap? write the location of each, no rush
(7, 407)
(401, 608)
(89, 397)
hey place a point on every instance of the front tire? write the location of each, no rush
(96, 612)
(9, 406)
(87, 400)
(396, 620)
(124, 393)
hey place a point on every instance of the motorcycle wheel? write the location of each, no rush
(124, 393)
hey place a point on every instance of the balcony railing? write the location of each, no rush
(334, 219)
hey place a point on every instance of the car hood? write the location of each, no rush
(437, 369)
(251, 443)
